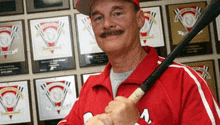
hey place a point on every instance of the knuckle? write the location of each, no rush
(106, 109)
(123, 105)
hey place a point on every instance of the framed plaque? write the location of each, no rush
(151, 34)
(15, 103)
(51, 43)
(84, 77)
(11, 7)
(181, 18)
(55, 98)
(207, 70)
(46, 5)
(217, 33)
(13, 54)
(89, 52)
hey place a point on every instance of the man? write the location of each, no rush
(179, 96)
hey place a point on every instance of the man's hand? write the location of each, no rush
(100, 119)
(122, 111)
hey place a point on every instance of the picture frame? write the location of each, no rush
(11, 7)
(18, 110)
(206, 69)
(85, 76)
(46, 5)
(152, 33)
(90, 53)
(55, 98)
(181, 18)
(51, 44)
(13, 53)
(217, 33)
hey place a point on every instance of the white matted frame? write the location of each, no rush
(51, 44)
(15, 103)
(152, 34)
(89, 52)
(55, 97)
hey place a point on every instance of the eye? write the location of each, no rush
(117, 13)
(99, 18)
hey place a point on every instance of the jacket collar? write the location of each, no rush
(142, 71)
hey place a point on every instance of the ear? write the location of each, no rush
(140, 18)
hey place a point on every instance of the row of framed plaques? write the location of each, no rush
(55, 98)
(151, 34)
(56, 95)
(52, 46)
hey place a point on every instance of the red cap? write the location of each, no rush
(83, 6)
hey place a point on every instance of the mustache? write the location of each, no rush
(111, 32)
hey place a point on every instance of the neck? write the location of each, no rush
(127, 61)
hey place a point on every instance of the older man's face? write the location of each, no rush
(115, 24)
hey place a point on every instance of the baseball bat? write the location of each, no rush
(208, 15)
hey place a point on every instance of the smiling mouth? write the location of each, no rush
(111, 32)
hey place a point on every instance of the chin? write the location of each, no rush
(113, 49)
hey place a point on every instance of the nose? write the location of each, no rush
(108, 23)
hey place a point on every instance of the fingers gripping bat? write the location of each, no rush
(208, 15)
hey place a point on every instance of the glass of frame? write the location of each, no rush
(89, 52)
(207, 70)
(13, 54)
(152, 34)
(55, 97)
(11, 7)
(46, 5)
(181, 18)
(51, 43)
(217, 33)
(15, 106)
(74, 3)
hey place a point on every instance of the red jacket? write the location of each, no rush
(179, 96)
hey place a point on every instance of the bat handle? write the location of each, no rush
(136, 95)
